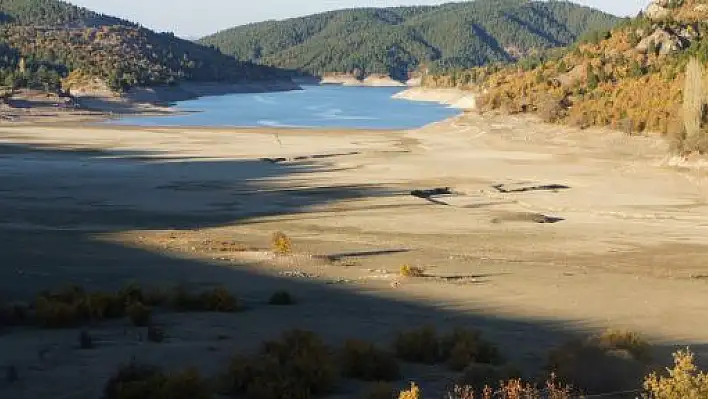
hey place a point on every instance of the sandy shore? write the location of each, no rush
(455, 98)
(103, 206)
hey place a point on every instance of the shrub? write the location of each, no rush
(297, 366)
(131, 293)
(463, 347)
(380, 390)
(137, 381)
(418, 346)
(219, 299)
(281, 298)
(412, 393)
(139, 314)
(102, 305)
(53, 313)
(362, 360)
(412, 271)
(11, 374)
(684, 381)
(155, 334)
(609, 362)
(85, 340)
(12, 314)
(214, 300)
(282, 245)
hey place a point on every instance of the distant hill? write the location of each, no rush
(630, 78)
(54, 38)
(397, 41)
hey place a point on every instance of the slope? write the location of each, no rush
(397, 41)
(630, 78)
(54, 38)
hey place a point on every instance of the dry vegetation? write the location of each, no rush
(282, 244)
(300, 365)
(631, 78)
(72, 306)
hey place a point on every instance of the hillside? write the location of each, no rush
(54, 38)
(629, 78)
(397, 41)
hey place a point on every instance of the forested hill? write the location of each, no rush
(42, 41)
(397, 41)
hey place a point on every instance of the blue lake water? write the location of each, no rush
(328, 106)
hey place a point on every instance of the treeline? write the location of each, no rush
(17, 71)
(398, 41)
(44, 40)
(52, 13)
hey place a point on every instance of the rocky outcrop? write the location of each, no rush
(665, 41)
(658, 10)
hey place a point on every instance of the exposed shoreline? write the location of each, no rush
(39, 108)
(455, 98)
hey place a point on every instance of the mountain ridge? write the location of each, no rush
(401, 40)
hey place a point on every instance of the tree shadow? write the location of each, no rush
(56, 205)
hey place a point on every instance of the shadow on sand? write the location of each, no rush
(55, 204)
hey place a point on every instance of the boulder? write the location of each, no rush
(658, 10)
(666, 42)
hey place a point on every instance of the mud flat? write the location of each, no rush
(531, 233)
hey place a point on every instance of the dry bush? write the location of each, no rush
(613, 361)
(214, 300)
(13, 314)
(155, 334)
(412, 393)
(297, 366)
(85, 340)
(282, 245)
(139, 314)
(418, 346)
(51, 313)
(362, 360)
(137, 381)
(463, 347)
(380, 390)
(219, 299)
(684, 381)
(412, 271)
(281, 298)
(513, 389)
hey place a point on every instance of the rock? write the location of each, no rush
(666, 42)
(658, 10)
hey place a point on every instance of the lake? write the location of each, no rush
(326, 106)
